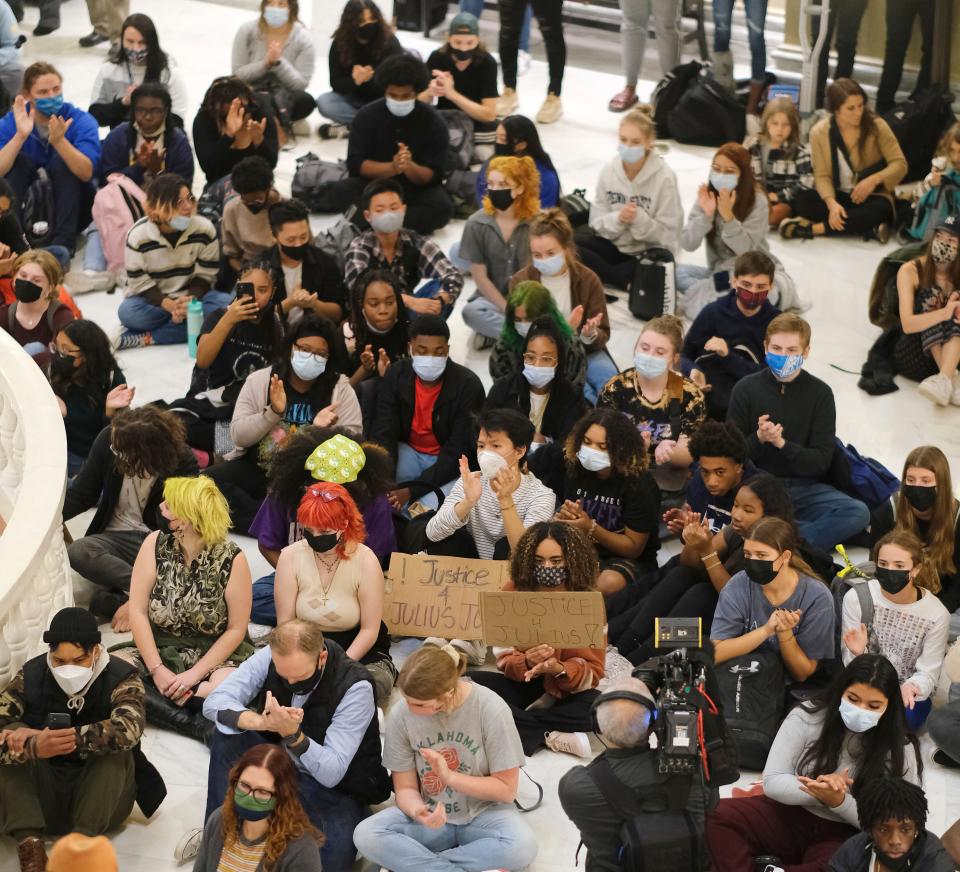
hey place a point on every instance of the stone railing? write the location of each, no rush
(35, 579)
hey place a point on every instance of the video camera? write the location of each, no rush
(677, 680)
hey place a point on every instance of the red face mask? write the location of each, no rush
(751, 300)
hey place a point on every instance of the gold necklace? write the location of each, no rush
(331, 569)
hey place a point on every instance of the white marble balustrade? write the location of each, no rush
(35, 578)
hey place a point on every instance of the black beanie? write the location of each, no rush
(73, 624)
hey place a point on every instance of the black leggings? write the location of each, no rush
(568, 715)
(549, 15)
(900, 15)
(845, 18)
(243, 484)
(683, 592)
(613, 266)
(862, 218)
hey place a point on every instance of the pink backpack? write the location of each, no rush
(117, 206)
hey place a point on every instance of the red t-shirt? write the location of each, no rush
(421, 428)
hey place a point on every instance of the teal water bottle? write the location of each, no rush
(194, 323)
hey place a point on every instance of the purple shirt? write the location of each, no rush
(275, 526)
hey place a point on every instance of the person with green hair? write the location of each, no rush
(527, 302)
(189, 605)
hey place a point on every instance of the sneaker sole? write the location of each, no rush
(928, 394)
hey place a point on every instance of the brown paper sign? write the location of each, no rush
(524, 619)
(439, 596)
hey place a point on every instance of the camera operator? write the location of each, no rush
(624, 720)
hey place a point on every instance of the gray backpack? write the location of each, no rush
(855, 577)
(460, 131)
(336, 239)
(314, 181)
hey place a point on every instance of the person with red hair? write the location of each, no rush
(730, 214)
(331, 578)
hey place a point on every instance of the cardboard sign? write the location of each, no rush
(439, 596)
(525, 619)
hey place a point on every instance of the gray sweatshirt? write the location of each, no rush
(732, 238)
(295, 67)
(302, 855)
(799, 730)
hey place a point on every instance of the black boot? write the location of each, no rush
(161, 712)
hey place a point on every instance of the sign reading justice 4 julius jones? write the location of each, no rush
(524, 619)
(439, 596)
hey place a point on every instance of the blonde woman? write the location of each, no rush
(172, 256)
(190, 597)
(36, 317)
(455, 756)
(496, 240)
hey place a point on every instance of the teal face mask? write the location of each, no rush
(249, 808)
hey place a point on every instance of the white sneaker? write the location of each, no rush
(82, 282)
(507, 103)
(188, 847)
(523, 62)
(550, 111)
(955, 393)
(569, 743)
(937, 388)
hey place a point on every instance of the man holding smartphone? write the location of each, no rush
(70, 727)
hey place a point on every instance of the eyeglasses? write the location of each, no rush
(532, 359)
(314, 354)
(148, 111)
(260, 793)
(53, 348)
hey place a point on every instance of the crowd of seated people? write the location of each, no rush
(329, 417)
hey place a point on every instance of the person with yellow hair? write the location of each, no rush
(189, 605)
(496, 241)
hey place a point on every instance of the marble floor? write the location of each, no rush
(833, 276)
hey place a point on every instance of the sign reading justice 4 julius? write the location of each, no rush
(439, 596)
(525, 619)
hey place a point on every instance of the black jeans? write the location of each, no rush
(615, 268)
(862, 218)
(845, 18)
(549, 15)
(900, 15)
(244, 485)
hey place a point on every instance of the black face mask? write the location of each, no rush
(463, 54)
(255, 208)
(368, 31)
(759, 571)
(304, 686)
(921, 497)
(893, 580)
(296, 252)
(321, 543)
(27, 291)
(502, 149)
(502, 198)
(61, 365)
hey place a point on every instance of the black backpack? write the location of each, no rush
(315, 180)
(668, 92)
(707, 114)
(653, 288)
(753, 700)
(919, 124)
(38, 211)
(658, 833)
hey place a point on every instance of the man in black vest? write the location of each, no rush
(70, 727)
(303, 692)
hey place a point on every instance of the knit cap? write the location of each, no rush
(73, 624)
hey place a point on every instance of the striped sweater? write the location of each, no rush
(152, 261)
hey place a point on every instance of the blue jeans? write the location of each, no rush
(600, 369)
(264, 609)
(756, 12)
(475, 8)
(336, 107)
(482, 316)
(333, 812)
(825, 516)
(427, 290)
(411, 463)
(497, 838)
(93, 257)
(139, 316)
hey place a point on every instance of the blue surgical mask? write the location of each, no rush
(306, 365)
(784, 365)
(648, 365)
(387, 222)
(593, 459)
(276, 16)
(538, 376)
(428, 367)
(858, 720)
(724, 181)
(522, 327)
(550, 266)
(180, 222)
(400, 108)
(49, 105)
(631, 153)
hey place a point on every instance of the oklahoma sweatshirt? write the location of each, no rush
(659, 211)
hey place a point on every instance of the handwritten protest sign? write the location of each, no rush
(523, 619)
(439, 596)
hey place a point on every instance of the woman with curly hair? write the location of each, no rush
(261, 824)
(551, 557)
(496, 240)
(610, 496)
(526, 303)
(189, 605)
